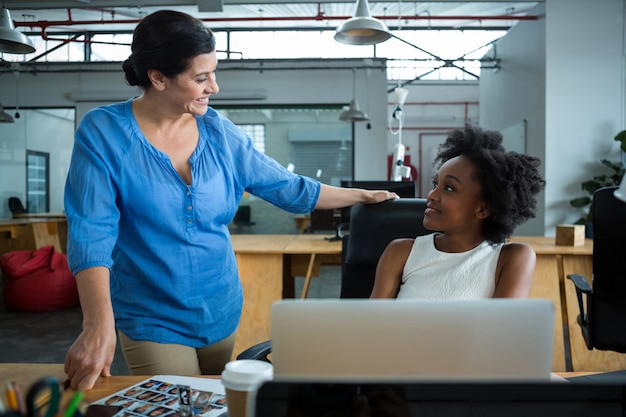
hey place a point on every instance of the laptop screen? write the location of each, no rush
(563, 399)
(412, 340)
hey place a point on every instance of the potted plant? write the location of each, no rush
(621, 137)
(612, 178)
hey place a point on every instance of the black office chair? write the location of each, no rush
(372, 227)
(243, 217)
(603, 307)
(16, 207)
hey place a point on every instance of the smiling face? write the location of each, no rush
(455, 204)
(190, 90)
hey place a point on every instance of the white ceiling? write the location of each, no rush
(112, 15)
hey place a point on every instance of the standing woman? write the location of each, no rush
(153, 183)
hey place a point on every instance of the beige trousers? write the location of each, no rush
(151, 358)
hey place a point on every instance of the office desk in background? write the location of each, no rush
(267, 266)
(33, 231)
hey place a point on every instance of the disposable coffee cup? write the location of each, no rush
(241, 379)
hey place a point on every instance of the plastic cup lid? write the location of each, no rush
(246, 374)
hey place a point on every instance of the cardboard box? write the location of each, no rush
(570, 234)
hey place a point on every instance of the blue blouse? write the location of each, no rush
(174, 276)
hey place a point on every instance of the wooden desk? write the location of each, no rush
(313, 251)
(39, 216)
(30, 233)
(267, 267)
(25, 374)
(302, 222)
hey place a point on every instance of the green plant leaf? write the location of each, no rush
(615, 167)
(592, 185)
(580, 202)
(621, 137)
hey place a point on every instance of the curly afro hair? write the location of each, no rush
(510, 180)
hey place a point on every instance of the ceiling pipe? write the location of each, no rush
(45, 24)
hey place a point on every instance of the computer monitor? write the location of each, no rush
(324, 220)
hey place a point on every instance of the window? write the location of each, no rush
(37, 181)
(448, 54)
(256, 133)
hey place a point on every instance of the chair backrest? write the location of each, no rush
(372, 227)
(607, 307)
(243, 215)
(16, 206)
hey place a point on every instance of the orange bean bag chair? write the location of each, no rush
(38, 280)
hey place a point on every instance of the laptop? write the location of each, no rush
(412, 340)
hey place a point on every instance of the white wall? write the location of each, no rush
(583, 103)
(516, 93)
(584, 96)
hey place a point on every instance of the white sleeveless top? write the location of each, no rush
(429, 273)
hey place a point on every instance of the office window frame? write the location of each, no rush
(256, 131)
(37, 186)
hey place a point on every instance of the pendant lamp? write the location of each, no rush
(362, 29)
(353, 114)
(13, 41)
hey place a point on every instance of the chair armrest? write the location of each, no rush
(580, 283)
(259, 352)
(583, 287)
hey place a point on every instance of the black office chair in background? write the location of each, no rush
(372, 227)
(243, 217)
(603, 302)
(16, 207)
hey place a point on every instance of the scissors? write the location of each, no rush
(47, 391)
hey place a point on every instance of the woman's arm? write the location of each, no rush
(515, 271)
(337, 197)
(389, 268)
(91, 354)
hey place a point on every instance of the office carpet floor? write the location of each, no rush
(44, 337)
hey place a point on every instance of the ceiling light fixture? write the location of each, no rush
(13, 41)
(362, 29)
(400, 171)
(353, 114)
(4, 116)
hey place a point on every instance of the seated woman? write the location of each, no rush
(480, 194)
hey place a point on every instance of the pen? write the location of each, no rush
(18, 398)
(12, 400)
(73, 405)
